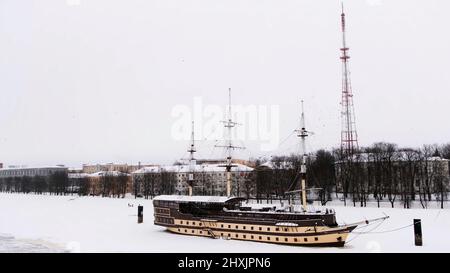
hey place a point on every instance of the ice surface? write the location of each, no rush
(44, 223)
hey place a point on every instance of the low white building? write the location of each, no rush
(209, 179)
(21, 171)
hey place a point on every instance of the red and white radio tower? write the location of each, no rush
(349, 137)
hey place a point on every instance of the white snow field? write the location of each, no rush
(43, 223)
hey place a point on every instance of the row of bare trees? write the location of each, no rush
(57, 184)
(382, 172)
(152, 184)
(385, 172)
(107, 184)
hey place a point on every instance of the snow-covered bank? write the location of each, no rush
(95, 224)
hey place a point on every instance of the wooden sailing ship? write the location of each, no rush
(226, 216)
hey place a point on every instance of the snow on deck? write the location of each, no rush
(93, 224)
(185, 198)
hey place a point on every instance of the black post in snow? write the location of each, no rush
(418, 232)
(140, 214)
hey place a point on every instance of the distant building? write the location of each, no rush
(220, 161)
(110, 167)
(18, 171)
(209, 179)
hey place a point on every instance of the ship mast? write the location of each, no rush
(192, 162)
(229, 124)
(303, 134)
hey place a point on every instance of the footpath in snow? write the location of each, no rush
(43, 223)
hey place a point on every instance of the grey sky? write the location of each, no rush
(96, 82)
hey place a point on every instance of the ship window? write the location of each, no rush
(306, 239)
(276, 239)
(185, 230)
(193, 231)
(268, 229)
(316, 239)
(268, 238)
(221, 225)
(260, 228)
(181, 222)
(251, 228)
(244, 227)
(201, 232)
(295, 240)
(252, 237)
(178, 229)
(277, 229)
(229, 226)
(285, 229)
(187, 223)
(193, 223)
(285, 239)
(229, 235)
(260, 237)
(244, 236)
(237, 235)
(221, 234)
(237, 227)
(200, 224)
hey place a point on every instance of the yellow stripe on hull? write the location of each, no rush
(336, 239)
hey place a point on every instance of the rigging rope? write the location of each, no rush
(379, 232)
(387, 231)
(360, 233)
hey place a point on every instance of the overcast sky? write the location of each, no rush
(87, 81)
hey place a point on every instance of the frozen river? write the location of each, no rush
(43, 223)
(11, 244)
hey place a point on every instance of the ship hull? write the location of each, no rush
(286, 235)
(331, 239)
